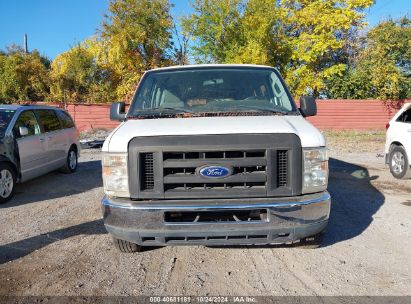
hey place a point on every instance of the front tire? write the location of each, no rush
(71, 161)
(126, 246)
(399, 163)
(7, 182)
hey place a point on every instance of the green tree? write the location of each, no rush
(262, 37)
(214, 26)
(382, 68)
(23, 77)
(135, 36)
(302, 38)
(316, 31)
(353, 84)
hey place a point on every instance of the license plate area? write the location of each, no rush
(217, 216)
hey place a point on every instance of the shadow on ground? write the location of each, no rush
(16, 250)
(354, 201)
(56, 184)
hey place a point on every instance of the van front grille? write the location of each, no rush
(253, 165)
(282, 171)
(248, 171)
(213, 154)
(147, 171)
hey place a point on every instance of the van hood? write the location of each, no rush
(118, 140)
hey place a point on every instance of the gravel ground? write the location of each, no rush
(53, 241)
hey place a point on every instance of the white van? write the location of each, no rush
(214, 155)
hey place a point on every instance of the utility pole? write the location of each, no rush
(26, 50)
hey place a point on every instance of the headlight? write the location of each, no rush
(315, 170)
(115, 175)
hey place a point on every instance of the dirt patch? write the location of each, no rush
(393, 186)
(407, 203)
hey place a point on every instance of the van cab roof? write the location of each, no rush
(193, 66)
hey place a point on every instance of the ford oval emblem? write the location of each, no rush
(215, 171)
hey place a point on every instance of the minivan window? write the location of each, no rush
(65, 119)
(49, 120)
(27, 119)
(405, 116)
(212, 90)
(5, 118)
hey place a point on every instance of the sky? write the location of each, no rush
(53, 26)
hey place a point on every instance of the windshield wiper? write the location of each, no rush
(158, 112)
(262, 109)
(184, 110)
(159, 109)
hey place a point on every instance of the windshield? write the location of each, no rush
(5, 118)
(230, 91)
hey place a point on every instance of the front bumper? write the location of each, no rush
(288, 219)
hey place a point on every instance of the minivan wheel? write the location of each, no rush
(126, 246)
(71, 161)
(399, 163)
(7, 182)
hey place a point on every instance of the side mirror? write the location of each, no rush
(23, 131)
(118, 111)
(308, 106)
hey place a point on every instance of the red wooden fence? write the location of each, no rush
(354, 114)
(93, 116)
(332, 114)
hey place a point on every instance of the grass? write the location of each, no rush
(354, 135)
(355, 141)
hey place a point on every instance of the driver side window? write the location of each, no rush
(27, 119)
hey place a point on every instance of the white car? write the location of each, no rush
(398, 143)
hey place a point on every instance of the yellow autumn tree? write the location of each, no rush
(263, 38)
(214, 27)
(23, 76)
(381, 68)
(77, 76)
(135, 37)
(316, 31)
(299, 37)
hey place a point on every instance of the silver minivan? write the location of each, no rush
(34, 140)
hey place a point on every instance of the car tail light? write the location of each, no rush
(387, 126)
